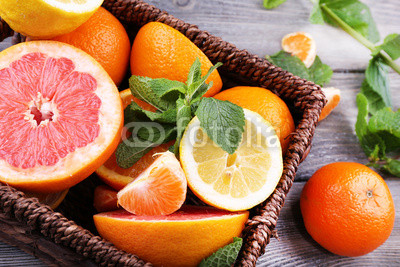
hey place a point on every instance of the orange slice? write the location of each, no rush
(118, 177)
(105, 198)
(51, 199)
(159, 190)
(183, 238)
(300, 44)
(333, 96)
(60, 116)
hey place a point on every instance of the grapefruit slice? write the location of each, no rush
(60, 116)
(183, 238)
(333, 96)
(105, 198)
(159, 190)
(118, 177)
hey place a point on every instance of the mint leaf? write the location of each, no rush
(141, 89)
(162, 87)
(225, 256)
(391, 45)
(368, 140)
(134, 113)
(199, 87)
(194, 72)
(270, 4)
(131, 150)
(377, 78)
(223, 122)
(386, 124)
(183, 116)
(375, 101)
(320, 73)
(354, 13)
(392, 166)
(316, 16)
(155, 133)
(290, 63)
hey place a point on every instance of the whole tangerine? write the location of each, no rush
(347, 208)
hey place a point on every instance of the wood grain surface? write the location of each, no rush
(249, 26)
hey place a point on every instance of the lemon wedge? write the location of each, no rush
(47, 18)
(238, 181)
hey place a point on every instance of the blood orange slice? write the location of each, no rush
(60, 116)
(105, 198)
(183, 238)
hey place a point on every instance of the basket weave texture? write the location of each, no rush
(305, 98)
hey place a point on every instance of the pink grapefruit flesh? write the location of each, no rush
(60, 116)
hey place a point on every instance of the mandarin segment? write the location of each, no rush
(300, 44)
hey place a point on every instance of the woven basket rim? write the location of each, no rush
(306, 97)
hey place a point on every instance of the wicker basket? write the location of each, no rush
(304, 98)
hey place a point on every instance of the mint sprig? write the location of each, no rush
(225, 256)
(270, 4)
(177, 103)
(318, 72)
(377, 125)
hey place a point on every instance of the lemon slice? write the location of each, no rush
(47, 18)
(233, 182)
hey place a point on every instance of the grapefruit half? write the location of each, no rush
(60, 116)
(183, 238)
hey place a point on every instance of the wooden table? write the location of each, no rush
(248, 25)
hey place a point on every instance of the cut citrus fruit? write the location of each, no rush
(159, 190)
(238, 181)
(118, 177)
(333, 96)
(300, 44)
(51, 199)
(105, 199)
(60, 116)
(183, 238)
(47, 18)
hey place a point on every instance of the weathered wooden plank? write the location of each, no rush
(249, 26)
(335, 138)
(297, 248)
(12, 256)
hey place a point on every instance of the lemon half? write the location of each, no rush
(47, 18)
(238, 181)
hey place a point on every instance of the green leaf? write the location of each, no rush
(141, 89)
(375, 101)
(290, 63)
(270, 4)
(393, 167)
(320, 73)
(386, 124)
(356, 14)
(134, 113)
(223, 122)
(378, 80)
(183, 116)
(368, 140)
(194, 72)
(199, 88)
(225, 256)
(155, 133)
(316, 16)
(128, 153)
(391, 45)
(163, 87)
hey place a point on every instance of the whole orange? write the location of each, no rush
(104, 38)
(265, 103)
(160, 51)
(347, 208)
